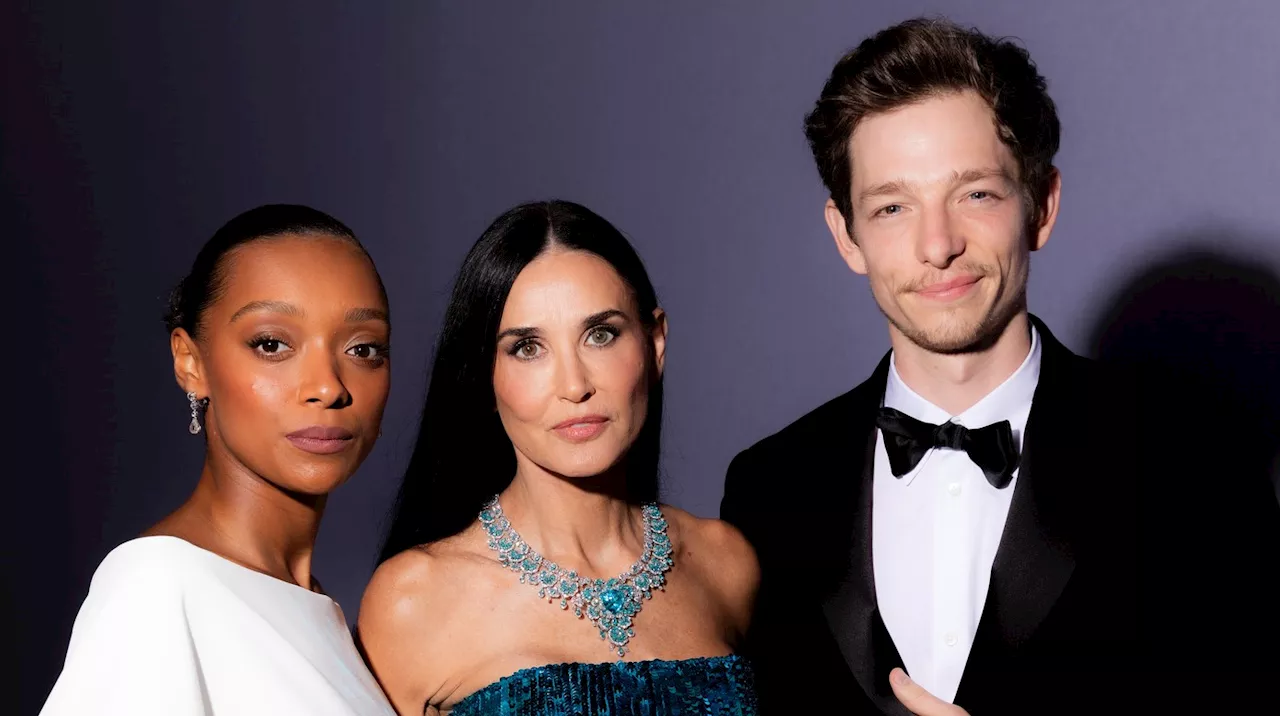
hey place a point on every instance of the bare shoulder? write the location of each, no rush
(712, 539)
(406, 617)
(413, 591)
(397, 604)
(723, 558)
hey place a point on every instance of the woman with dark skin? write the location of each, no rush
(279, 339)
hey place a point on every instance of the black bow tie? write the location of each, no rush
(907, 440)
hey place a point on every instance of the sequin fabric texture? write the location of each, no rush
(711, 686)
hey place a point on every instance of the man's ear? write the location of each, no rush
(1048, 212)
(848, 248)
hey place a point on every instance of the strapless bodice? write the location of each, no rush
(710, 686)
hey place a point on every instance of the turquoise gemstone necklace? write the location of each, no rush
(610, 604)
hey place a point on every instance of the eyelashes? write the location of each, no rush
(382, 352)
(604, 328)
(268, 346)
(518, 348)
(981, 196)
(272, 348)
(530, 348)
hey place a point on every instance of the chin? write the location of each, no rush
(587, 464)
(314, 482)
(583, 471)
(954, 332)
(308, 491)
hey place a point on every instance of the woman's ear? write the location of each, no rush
(188, 369)
(658, 334)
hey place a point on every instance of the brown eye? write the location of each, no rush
(368, 351)
(269, 347)
(527, 350)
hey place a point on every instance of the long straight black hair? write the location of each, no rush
(463, 456)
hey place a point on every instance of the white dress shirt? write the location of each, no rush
(170, 629)
(935, 531)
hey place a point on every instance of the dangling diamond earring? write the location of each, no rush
(194, 427)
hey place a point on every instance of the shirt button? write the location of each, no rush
(950, 639)
(954, 489)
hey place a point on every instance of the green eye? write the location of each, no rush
(602, 335)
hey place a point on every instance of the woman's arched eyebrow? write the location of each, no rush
(360, 315)
(601, 317)
(354, 315)
(589, 321)
(287, 309)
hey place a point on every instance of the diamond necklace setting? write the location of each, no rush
(610, 604)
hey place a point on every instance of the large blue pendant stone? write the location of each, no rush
(614, 599)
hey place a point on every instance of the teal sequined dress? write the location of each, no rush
(709, 686)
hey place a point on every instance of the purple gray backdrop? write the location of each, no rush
(129, 134)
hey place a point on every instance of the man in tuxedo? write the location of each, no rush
(1020, 529)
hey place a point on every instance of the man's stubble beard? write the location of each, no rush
(974, 339)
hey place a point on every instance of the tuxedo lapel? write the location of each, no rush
(1033, 563)
(1035, 558)
(850, 608)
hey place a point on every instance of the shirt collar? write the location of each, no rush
(1011, 400)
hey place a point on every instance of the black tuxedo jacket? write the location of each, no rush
(1137, 565)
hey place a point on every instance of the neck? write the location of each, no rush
(955, 382)
(580, 523)
(249, 520)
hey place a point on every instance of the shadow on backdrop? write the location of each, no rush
(1206, 321)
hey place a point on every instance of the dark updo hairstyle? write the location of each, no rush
(204, 284)
(463, 456)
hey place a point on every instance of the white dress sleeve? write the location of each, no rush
(131, 648)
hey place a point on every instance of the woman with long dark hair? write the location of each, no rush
(279, 336)
(529, 567)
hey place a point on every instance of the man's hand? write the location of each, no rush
(917, 700)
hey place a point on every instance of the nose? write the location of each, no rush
(939, 241)
(574, 383)
(321, 383)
